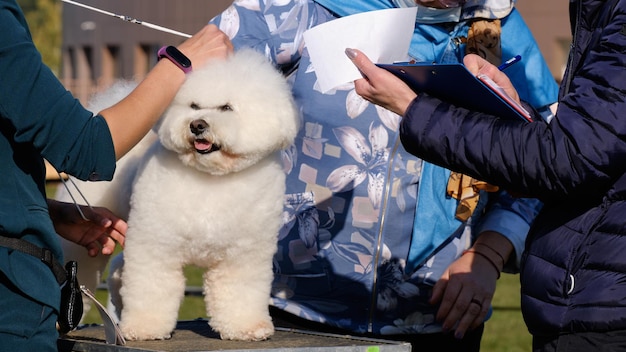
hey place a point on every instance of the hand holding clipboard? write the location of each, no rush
(455, 84)
(504, 96)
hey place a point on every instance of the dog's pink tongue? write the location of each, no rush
(202, 145)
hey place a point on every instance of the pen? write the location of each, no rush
(509, 62)
(404, 62)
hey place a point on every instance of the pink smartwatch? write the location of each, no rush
(175, 56)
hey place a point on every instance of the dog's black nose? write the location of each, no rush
(198, 127)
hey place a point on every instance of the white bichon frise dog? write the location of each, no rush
(209, 192)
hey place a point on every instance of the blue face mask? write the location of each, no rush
(434, 15)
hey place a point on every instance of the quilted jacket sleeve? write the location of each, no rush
(579, 154)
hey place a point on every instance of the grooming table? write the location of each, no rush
(196, 336)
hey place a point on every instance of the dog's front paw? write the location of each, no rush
(143, 332)
(258, 332)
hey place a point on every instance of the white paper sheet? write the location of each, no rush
(384, 36)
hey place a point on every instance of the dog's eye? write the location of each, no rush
(194, 106)
(225, 107)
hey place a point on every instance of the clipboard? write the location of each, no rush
(455, 84)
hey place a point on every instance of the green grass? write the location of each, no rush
(506, 331)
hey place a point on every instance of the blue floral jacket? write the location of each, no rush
(368, 228)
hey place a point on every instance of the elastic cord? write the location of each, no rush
(486, 257)
(493, 250)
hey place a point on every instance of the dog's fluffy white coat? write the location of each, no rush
(208, 192)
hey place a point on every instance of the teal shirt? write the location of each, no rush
(39, 119)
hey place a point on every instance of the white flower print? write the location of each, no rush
(229, 22)
(249, 4)
(355, 104)
(371, 157)
(390, 119)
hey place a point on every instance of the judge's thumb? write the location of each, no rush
(478, 65)
(360, 60)
(474, 63)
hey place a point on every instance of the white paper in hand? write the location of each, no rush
(384, 36)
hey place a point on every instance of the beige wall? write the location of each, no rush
(549, 22)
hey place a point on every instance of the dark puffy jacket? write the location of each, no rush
(574, 268)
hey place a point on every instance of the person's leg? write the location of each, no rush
(25, 325)
(444, 341)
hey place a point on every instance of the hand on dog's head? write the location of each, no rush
(230, 114)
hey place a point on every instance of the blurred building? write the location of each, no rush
(549, 22)
(98, 48)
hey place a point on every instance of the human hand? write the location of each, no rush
(477, 66)
(209, 43)
(102, 229)
(464, 292)
(380, 86)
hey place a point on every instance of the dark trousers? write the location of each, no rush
(419, 342)
(610, 341)
(25, 325)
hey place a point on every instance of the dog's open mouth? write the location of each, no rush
(203, 146)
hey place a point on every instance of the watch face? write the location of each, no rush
(178, 56)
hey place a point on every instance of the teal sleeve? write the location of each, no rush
(36, 109)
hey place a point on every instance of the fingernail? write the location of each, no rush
(351, 53)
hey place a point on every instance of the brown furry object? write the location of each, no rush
(483, 38)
